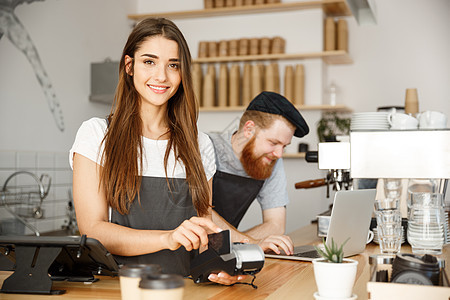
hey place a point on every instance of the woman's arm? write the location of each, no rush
(92, 217)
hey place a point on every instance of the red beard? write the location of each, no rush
(255, 166)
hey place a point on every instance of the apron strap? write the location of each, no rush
(109, 207)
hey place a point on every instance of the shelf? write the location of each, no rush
(324, 107)
(334, 8)
(294, 155)
(338, 108)
(103, 98)
(330, 57)
(331, 8)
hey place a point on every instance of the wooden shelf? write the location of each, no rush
(338, 108)
(324, 107)
(330, 57)
(334, 8)
(294, 155)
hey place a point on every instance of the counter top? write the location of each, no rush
(279, 279)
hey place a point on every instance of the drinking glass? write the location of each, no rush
(416, 185)
(389, 228)
(426, 221)
(392, 188)
(387, 204)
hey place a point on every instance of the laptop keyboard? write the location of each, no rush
(309, 254)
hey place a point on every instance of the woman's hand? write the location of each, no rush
(274, 242)
(192, 234)
(225, 279)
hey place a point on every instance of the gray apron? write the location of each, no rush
(160, 209)
(233, 194)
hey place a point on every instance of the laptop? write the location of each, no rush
(350, 218)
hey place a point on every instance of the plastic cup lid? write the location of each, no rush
(161, 282)
(137, 270)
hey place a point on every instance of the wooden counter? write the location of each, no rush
(279, 279)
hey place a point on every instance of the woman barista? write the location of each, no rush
(142, 176)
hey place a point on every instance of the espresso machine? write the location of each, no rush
(413, 154)
(335, 158)
(402, 154)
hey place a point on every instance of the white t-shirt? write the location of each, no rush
(92, 132)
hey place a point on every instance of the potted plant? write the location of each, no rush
(334, 274)
(331, 125)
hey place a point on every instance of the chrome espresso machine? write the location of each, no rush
(374, 154)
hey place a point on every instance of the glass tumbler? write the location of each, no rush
(389, 227)
(392, 188)
(426, 221)
(387, 204)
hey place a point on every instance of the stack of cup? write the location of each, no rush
(389, 218)
(389, 227)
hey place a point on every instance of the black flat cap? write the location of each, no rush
(273, 103)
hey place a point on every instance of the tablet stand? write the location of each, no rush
(41, 260)
(31, 274)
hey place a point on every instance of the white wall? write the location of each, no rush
(408, 48)
(68, 35)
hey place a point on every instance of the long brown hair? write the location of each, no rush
(122, 156)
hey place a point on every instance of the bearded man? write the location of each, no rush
(249, 167)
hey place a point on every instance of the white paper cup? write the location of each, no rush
(161, 287)
(130, 276)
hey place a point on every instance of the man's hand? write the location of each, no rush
(274, 242)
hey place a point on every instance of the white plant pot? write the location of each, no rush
(335, 280)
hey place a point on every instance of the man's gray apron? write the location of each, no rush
(232, 195)
(160, 209)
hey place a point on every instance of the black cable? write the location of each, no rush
(251, 283)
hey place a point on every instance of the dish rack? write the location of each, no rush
(24, 201)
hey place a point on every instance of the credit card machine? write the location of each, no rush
(222, 255)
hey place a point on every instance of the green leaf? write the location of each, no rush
(331, 125)
(333, 253)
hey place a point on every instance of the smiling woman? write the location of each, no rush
(156, 74)
(147, 162)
